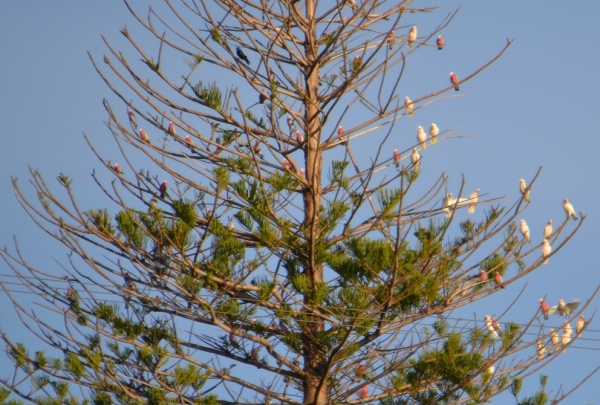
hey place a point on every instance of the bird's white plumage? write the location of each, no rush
(415, 159)
(554, 339)
(421, 137)
(410, 108)
(541, 349)
(412, 36)
(490, 326)
(569, 210)
(548, 230)
(434, 131)
(473, 198)
(566, 337)
(546, 250)
(525, 231)
(524, 191)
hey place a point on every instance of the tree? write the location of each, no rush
(302, 260)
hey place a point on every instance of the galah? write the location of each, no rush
(421, 137)
(118, 169)
(356, 62)
(254, 354)
(232, 340)
(132, 118)
(397, 158)
(289, 120)
(566, 337)
(410, 108)
(231, 224)
(299, 137)
(144, 136)
(554, 340)
(189, 141)
(473, 198)
(69, 292)
(340, 131)
(364, 392)
(242, 55)
(412, 36)
(440, 42)
(548, 230)
(261, 98)
(544, 308)
(171, 129)
(564, 309)
(163, 189)
(257, 150)
(359, 373)
(541, 349)
(569, 210)
(287, 164)
(415, 158)
(302, 173)
(128, 281)
(483, 277)
(433, 133)
(496, 325)
(391, 40)
(490, 326)
(579, 325)
(524, 191)
(208, 212)
(546, 250)
(498, 280)
(454, 81)
(525, 231)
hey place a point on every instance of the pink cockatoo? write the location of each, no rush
(421, 137)
(524, 190)
(391, 40)
(232, 340)
(412, 36)
(254, 354)
(360, 372)
(144, 136)
(473, 199)
(579, 325)
(289, 120)
(548, 230)
(302, 173)
(397, 158)
(410, 108)
(415, 158)
(554, 339)
(525, 231)
(171, 129)
(490, 326)
(434, 131)
(340, 130)
(483, 277)
(189, 141)
(132, 118)
(163, 189)
(569, 210)
(299, 137)
(364, 392)
(454, 81)
(257, 151)
(544, 308)
(546, 250)
(564, 309)
(498, 280)
(566, 337)
(496, 325)
(541, 349)
(69, 292)
(117, 169)
(356, 62)
(440, 42)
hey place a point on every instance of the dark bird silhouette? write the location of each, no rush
(242, 55)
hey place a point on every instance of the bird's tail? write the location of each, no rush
(433, 140)
(424, 146)
(545, 261)
(471, 208)
(575, 216)
(411, 114)
(456, 88)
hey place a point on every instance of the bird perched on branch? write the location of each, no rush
(397, 158)
(231, 224)
(454, 81)
(440, 42)
(190, 142)
(498, 280)
(473, 198)
(554, 339)
(412, 36)
(548, 230)
(433, 133)
(240, 54)
(410, 108)
(415, 159)
(579, 325)
(261, 98)
(391, 40)
(524, 191)
(566, 337)
(525, 231)
(171, 131)
(544, 308)
(117, 169)
(564, 309)
(163, 189)
(541, 349)
(421, 137)
(144, 136)
(546, 250)
(132, 118)
(490, 326)
(257, 150)
(569, 210)
(483, 277)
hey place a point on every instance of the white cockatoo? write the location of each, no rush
(564, 309)
(524, 191)
(525, 231)
(415, 159)
(541, 349)
(473, 198)
(566, 337)
(490, 326)
(410, 108)
(421, 137)
(412, 36)
(434, 131)
(554, 339)
(579, 325)
(569, 210)
(231, 224)
(447, 203)
(546, 250)
(548, 230)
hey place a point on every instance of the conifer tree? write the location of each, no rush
(276, 250)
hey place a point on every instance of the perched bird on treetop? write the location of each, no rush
(257, 150)
(231, 224)
(546, 250)
(525, 231)
(242, 55)
(132, 118)
(118, 168)
(410, 108)
(541, 349)
(397, 158)
(415, 159)
(163, 189)
(412, 36)
(554, 339)
(144, 136)
(189, 141)
(433, 133)
(171, 130)
(490, 326)
(364, 391)
(524, 191)
(548, 230)
(454, 81)
(566, 337)
(569, 210)
(579, 325)
(496, 325)
(421, 137)
(440, 42)
(483, 277)
(544, 308)
(564, 309)
(261, 98)
(391, 40)
(473, 198)
(498, 280)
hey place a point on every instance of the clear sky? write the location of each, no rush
(532, 108)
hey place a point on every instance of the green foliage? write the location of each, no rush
(129, 227)
(100, 218)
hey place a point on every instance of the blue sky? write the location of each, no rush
(532, 108)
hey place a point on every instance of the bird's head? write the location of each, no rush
(420, 128)
(164, 183)
(522, 222)
(566, 201)
(561, 302)
(439, 37)
(487, 317)
(550, 222)
(544, 242)
(541, 300)
(451, 73)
